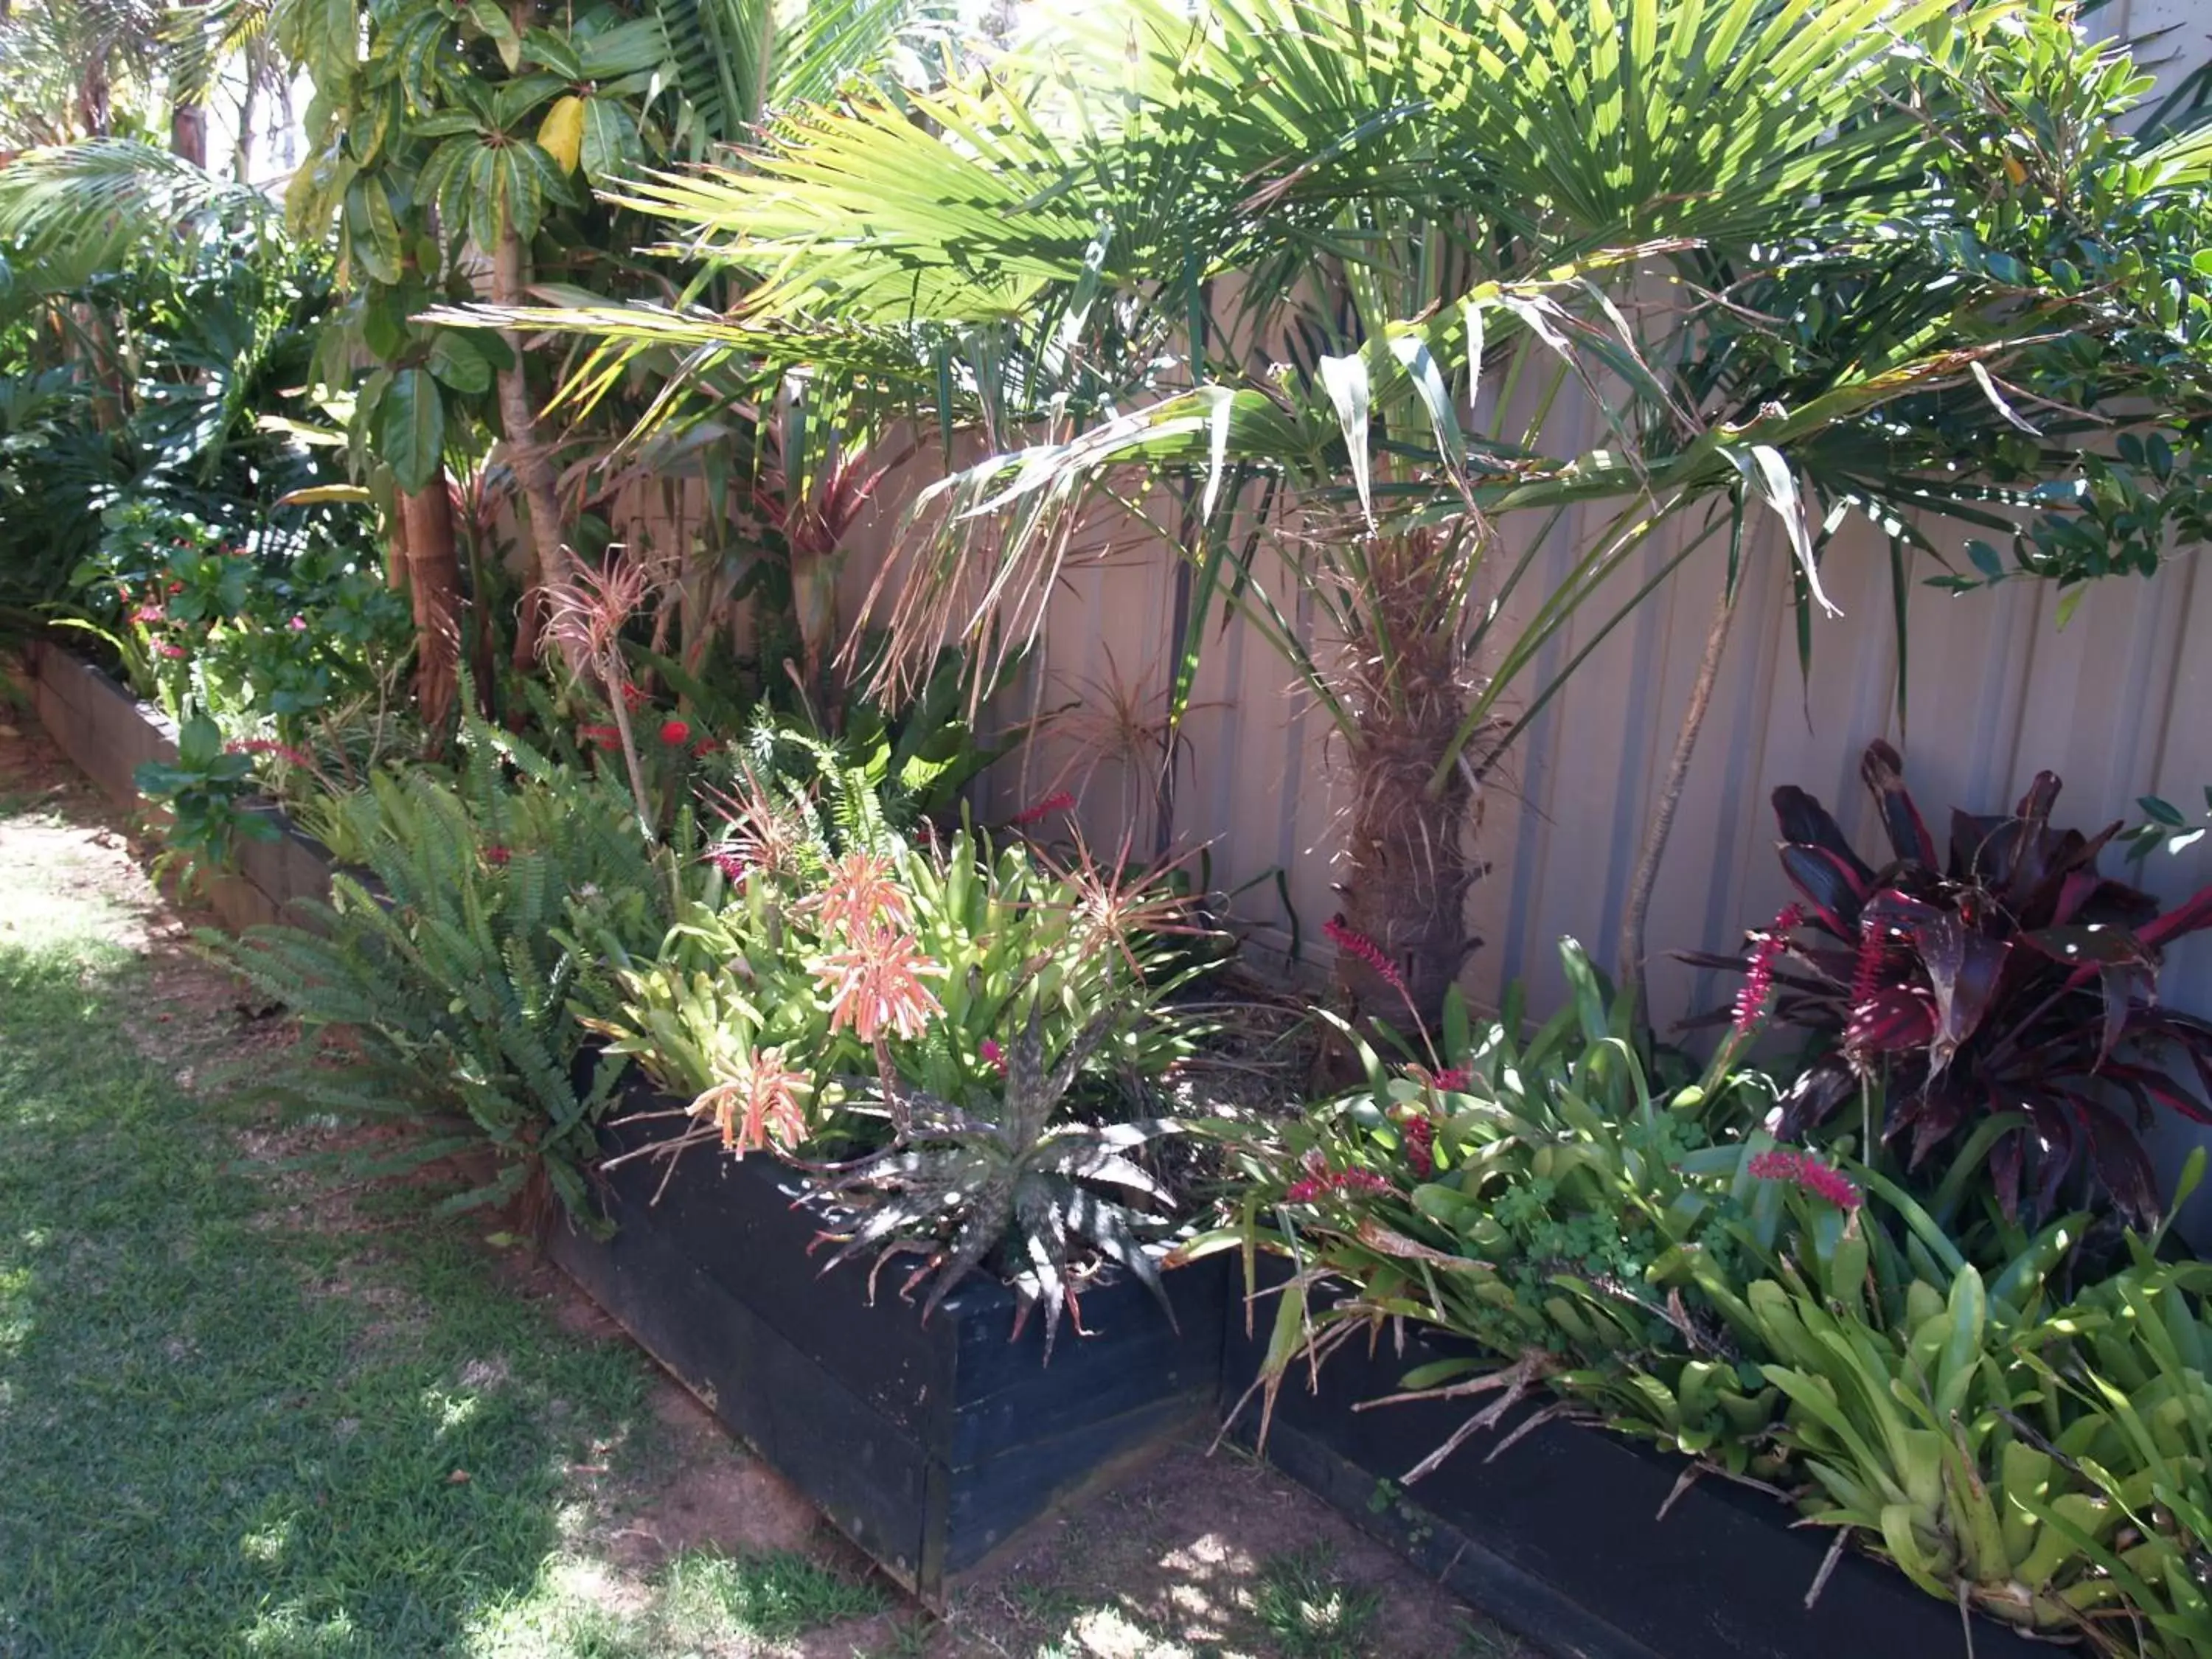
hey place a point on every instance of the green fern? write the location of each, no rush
(447, 962)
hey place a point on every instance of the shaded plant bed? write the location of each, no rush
(108, 734)
(929, 1443)
(1560, 1537)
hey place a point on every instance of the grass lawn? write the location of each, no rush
(226, 1429)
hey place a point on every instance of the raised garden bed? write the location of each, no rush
(1561, 1536)
(928, 1444)
(108, 734)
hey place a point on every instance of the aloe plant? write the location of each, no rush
(962, 1183)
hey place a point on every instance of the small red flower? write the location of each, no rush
(270, 746)
(1061, 801)
(166, 649)
(298, 624)
(176, 588)
(148, 614)
(993, 1055)
(675, 733)
(633, 697)
(604, 736)
(1803, 1170)
(704, 747)
(1420, 1136)
(726, 860)
(496, 855)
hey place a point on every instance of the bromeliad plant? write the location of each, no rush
(1634, 1245)
(1999, 1002)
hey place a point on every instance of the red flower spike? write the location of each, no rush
(1052, 804)
(1808, 1173)
(1358, 944)
(675, 733)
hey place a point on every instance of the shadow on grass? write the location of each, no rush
(218, 1435)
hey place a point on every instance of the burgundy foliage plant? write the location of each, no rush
(1998, 999)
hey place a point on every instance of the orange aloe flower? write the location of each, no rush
(761, 1101)
(861, 891)
(875, 984)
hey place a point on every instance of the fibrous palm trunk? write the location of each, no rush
(1401, 936)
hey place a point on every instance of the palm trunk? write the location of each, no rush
(1402, 935)
(550, 560)
(434, 572)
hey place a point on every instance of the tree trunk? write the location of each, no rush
(550, 560)
(188, 133)
(1628, 967)
(434, 573)
(1402, 936)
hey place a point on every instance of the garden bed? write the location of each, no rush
(929, 1444)
(108, 734)
(1561, 1536)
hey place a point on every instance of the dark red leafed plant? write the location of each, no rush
(2013, 978)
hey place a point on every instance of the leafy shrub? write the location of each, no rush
(203, 625)
(452, 975)
(1597, 1225)
(1999, 1003)
(207, 792)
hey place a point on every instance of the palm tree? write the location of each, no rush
(1308, 285)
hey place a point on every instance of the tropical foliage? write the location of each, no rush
(1313, 340)
(2000, 1002)
(1596, 1224)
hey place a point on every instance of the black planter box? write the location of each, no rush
(108, 734)
(1560, 1537)
(928, 1444)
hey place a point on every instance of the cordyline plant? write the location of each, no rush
(1996, 1002)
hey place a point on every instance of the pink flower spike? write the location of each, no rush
(1807, 1173)
(166, 649)
(993, 1055)
(1759, 980)
(1062, 801)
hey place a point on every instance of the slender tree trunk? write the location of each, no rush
(433, 573)
(188, 133)
(395, 548)
(1628, 967)
(249, 101)
(550, 560)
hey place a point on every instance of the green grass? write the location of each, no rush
(1306, 1609)
(222, 1434)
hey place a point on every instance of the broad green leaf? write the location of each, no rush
(456, 361)
(411, 429)
(611, 147)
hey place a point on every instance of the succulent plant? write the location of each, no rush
(959, 1186)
